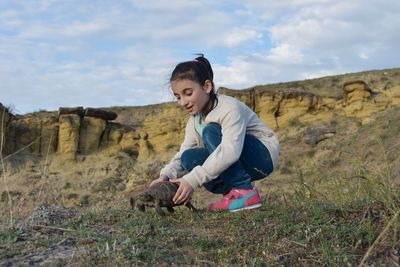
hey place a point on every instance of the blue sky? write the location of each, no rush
(120, 53)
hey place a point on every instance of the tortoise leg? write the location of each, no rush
(170, 209)
(158, 207)
(132, 201)
(190, 206)
(141, 207)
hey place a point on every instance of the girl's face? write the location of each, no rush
(191, 96)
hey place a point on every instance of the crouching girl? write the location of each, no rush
(226, 146)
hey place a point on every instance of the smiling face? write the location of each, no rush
(191, 96)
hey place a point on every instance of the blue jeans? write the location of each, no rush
(254, 163)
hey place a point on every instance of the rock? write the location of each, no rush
(277, 108)
(128, 140)
(316, 133)
(158, 133)
(100, 113)
(35, 135)
(394, 95)
(357, 85)
(112, 134)
(90, 134)
(23, 132)
(5, 117)
(67, 111)
(356, 91)
(49, 135)
(68, 135)
(293, 104)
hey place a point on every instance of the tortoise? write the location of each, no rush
(158, 195)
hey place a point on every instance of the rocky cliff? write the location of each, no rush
(5, 117)
(78, 131)
(278, 108)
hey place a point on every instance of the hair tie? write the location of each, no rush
(195, 60)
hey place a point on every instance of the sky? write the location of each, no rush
(102, 53)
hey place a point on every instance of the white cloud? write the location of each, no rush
(363, 55)
(239, 36)
(56, 53)
(237, 73)
(285, 53)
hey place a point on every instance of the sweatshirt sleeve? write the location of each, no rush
(233, 125)
(174, 168)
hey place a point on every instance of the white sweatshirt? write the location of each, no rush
(236, 120)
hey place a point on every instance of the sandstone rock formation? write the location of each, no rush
(68, 135)
(5, 117)
(356, 93)
(279, 107)
(90, 134)
(74, 110)
(101, 114)
(74, 131)
(282, 107)
(32, 134)
(83, 131)
(361, 101)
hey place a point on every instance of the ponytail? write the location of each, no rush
(207, 64)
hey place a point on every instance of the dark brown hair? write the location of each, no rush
(198, 70)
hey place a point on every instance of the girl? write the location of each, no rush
(226, 145)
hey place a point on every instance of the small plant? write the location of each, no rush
(84, 201)
(5, 195)
(384, 78)
(72, 196)
(310, 153)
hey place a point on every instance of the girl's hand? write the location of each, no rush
(184, 193)
(162, 178)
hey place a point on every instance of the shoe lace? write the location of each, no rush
(227, 196)
(232, 194)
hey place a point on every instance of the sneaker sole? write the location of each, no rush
(247, 208)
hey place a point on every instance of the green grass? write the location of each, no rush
(324, 222)
(279, 233)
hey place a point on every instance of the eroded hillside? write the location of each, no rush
(328, 125)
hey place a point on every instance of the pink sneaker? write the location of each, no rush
(238, 199)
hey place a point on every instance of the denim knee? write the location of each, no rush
(193, 157)
(212, 134)
(186, 160)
